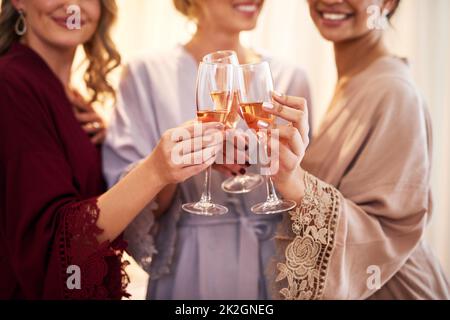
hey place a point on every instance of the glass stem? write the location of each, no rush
(271, 194)
(206, 195)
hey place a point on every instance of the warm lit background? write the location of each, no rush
(421, 32)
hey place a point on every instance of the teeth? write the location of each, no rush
(334, 16)
(247, 8)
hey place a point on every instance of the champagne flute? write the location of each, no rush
(249, 181)
(215, 85)
(255, 89)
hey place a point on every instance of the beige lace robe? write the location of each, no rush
(358, 232)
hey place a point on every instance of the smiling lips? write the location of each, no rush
(63, 21)
(248, 8)
(334, 18)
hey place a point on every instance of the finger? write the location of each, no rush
(80, 106)
(201, 142)
(288, 160)
(289, 114)
(292, 137)
(92, 127)
(196, 169)
(190, 131)
(200, 156)
(303, 129)
(298, 103)
(99, 138)
(84, 117)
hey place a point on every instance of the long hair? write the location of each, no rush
(101, 54)
(188, 8)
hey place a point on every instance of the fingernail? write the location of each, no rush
(242, 171)
(279, 95)
(262, 124)
(208, 138)
(268, 105)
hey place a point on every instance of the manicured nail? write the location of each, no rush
(208, 138)
(279, 95)
(268, 105)
(262, 124)
(242, 171)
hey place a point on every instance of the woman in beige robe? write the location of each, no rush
(363, 186)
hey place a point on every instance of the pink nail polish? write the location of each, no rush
(262, 124)
(268, 105)
(279, 95)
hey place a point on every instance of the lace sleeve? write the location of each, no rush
(305, 242)
(101, 266)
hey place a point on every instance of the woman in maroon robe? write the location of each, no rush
(55, 223)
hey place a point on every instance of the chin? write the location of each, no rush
(69, 41)
(333, 36)
(246, 26)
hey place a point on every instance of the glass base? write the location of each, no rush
(242, 184)
(204, 209)
(273, 207)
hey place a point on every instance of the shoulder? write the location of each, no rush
(22, 85)
(163, 61)
(16, 82)
(15, 68)
(394, 86)
(396, 98)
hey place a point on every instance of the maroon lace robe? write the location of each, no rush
(50, 175)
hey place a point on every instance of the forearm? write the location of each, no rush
(164, 199)
(122, 203)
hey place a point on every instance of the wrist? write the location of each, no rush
(153, 174)
(293, 188)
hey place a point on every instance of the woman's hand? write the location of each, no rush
(293, 141)
(91, 122)
(235, 158)
(186, 151)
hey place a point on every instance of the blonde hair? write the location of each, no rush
(101, 54)
(188, 8)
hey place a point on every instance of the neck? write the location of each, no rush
(208, 40)
(355, 55)
(58, 59)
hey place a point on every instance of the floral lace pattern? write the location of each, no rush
(102, 270)
(313, 223)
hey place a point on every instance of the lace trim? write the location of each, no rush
(307, 255)
(103, 273)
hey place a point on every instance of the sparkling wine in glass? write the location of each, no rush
(249, 181)
(255, 89)
(215, 90)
